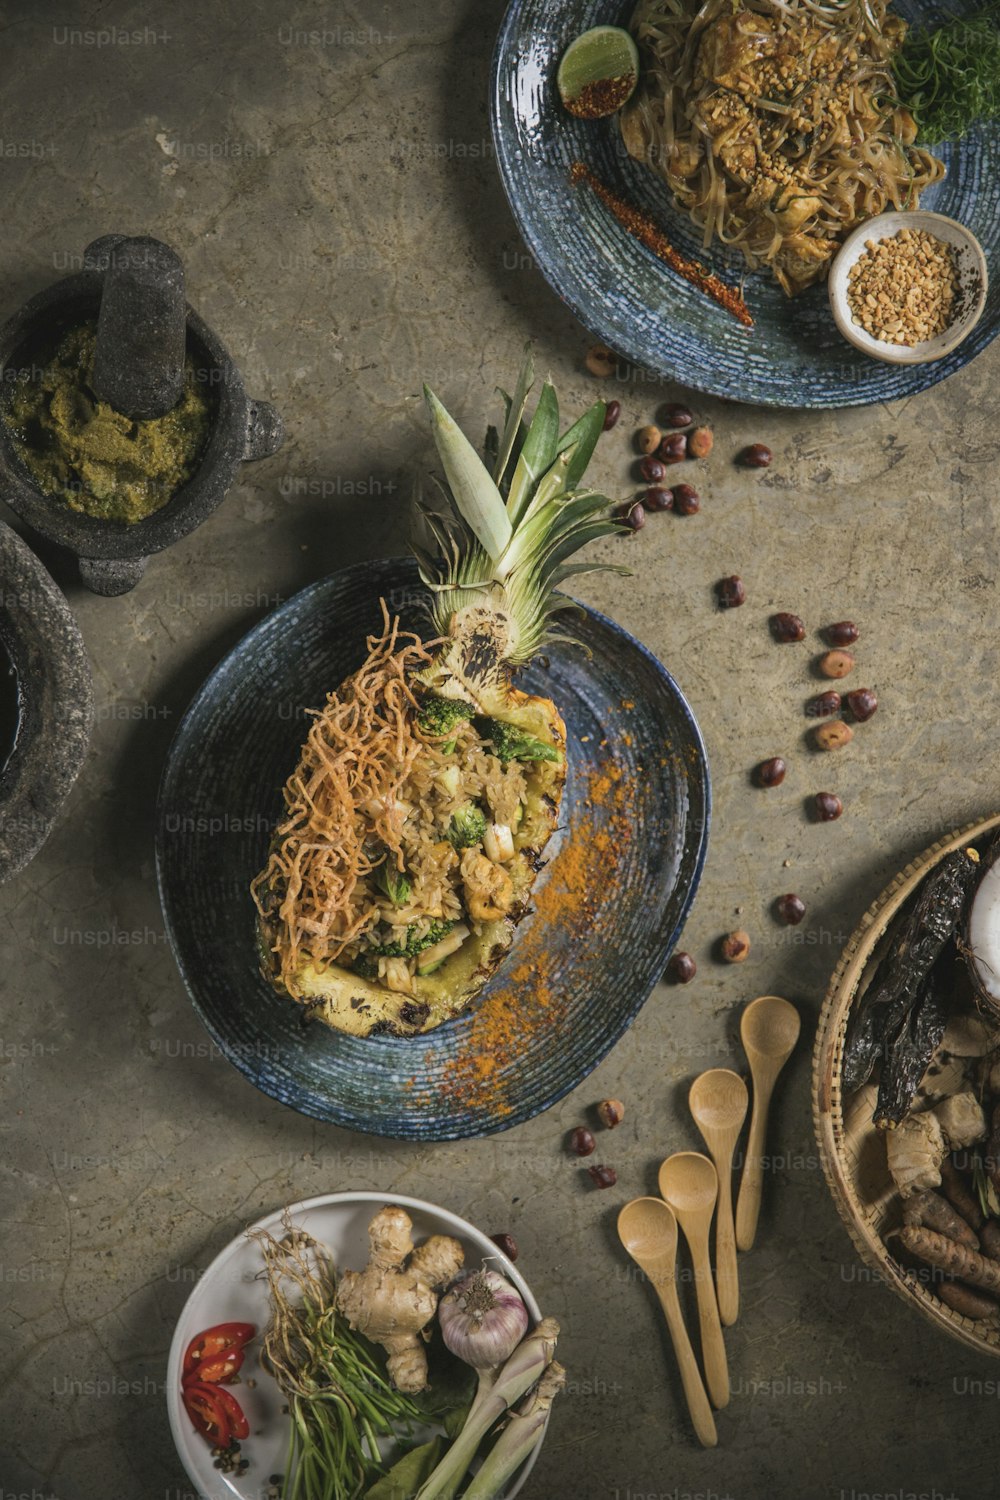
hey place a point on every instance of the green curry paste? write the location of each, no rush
(94, 459)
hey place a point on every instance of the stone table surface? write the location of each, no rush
(326, 174)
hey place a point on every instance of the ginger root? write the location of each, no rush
(394, 1298)
(915, 1150)
(961, 1119)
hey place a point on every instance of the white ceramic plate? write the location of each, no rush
(231, 1290)
(973, 280)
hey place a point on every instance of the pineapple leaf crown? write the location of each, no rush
(513, 521)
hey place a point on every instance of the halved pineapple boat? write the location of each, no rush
(417, 817)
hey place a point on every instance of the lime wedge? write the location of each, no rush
(598, 72)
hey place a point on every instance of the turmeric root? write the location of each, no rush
(958, 1260)
(962, 1299)
(394, 1298)
(959, 1194)
(931, 1211)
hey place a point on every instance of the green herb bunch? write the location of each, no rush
(949, 76)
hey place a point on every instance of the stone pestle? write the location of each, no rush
(141, 330)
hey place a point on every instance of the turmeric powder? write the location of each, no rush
(532, 998)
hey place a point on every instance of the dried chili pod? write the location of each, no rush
(937, 909)
(912, 1033)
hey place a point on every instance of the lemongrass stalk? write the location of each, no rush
(518, 1437)
(496, 1393)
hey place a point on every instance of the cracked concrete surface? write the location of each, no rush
(346, 250)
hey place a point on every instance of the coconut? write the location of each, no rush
(983, 935)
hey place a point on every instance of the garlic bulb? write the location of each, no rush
(483, 1319)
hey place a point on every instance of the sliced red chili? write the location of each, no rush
(216, 1367)
(214, 1340)
(207, 1412)
(239, 1427)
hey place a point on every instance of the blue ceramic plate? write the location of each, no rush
(623, 871)
(621, 292)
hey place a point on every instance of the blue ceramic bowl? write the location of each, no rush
(581, 966)
(620, 291)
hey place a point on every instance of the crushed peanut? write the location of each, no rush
(904, 289)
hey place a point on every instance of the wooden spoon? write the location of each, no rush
(719, 1102)
(769, 1028)
(648, 1230)
(690, 1184)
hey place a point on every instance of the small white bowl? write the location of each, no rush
(972, 279)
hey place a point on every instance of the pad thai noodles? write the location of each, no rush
(775, 123)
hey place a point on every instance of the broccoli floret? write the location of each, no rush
(414, 942)
(434, 934)
(365, 966)
(467, 827)
(510, 743)
(440, 715)
(393, 882)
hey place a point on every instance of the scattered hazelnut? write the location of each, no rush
(601, 361)
(675, 415)
(603, 1177)
(833, 735)
(843, 633)
(612, 412)
(827, 807)
(823, 705)
(648, 439)
(673, 449)
(700, 442)
(652, 470)
(631, 514)
(686, 500)
(581, 1142)
(756, 456)
(731, 592)
(656, 498)
(786, 627)
(611, 1112)
(790, 909)
(507, 1243)
(735, 946)
(862, 703)
(682, 968)
(771, 772)
(836, 663)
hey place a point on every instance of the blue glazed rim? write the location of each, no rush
(706, 355)
(408, 1125)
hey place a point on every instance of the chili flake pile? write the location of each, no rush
(649, 234)
(903, 289)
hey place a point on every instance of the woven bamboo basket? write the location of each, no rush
(851, 1149)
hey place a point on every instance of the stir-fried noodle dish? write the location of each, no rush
(775, 123)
